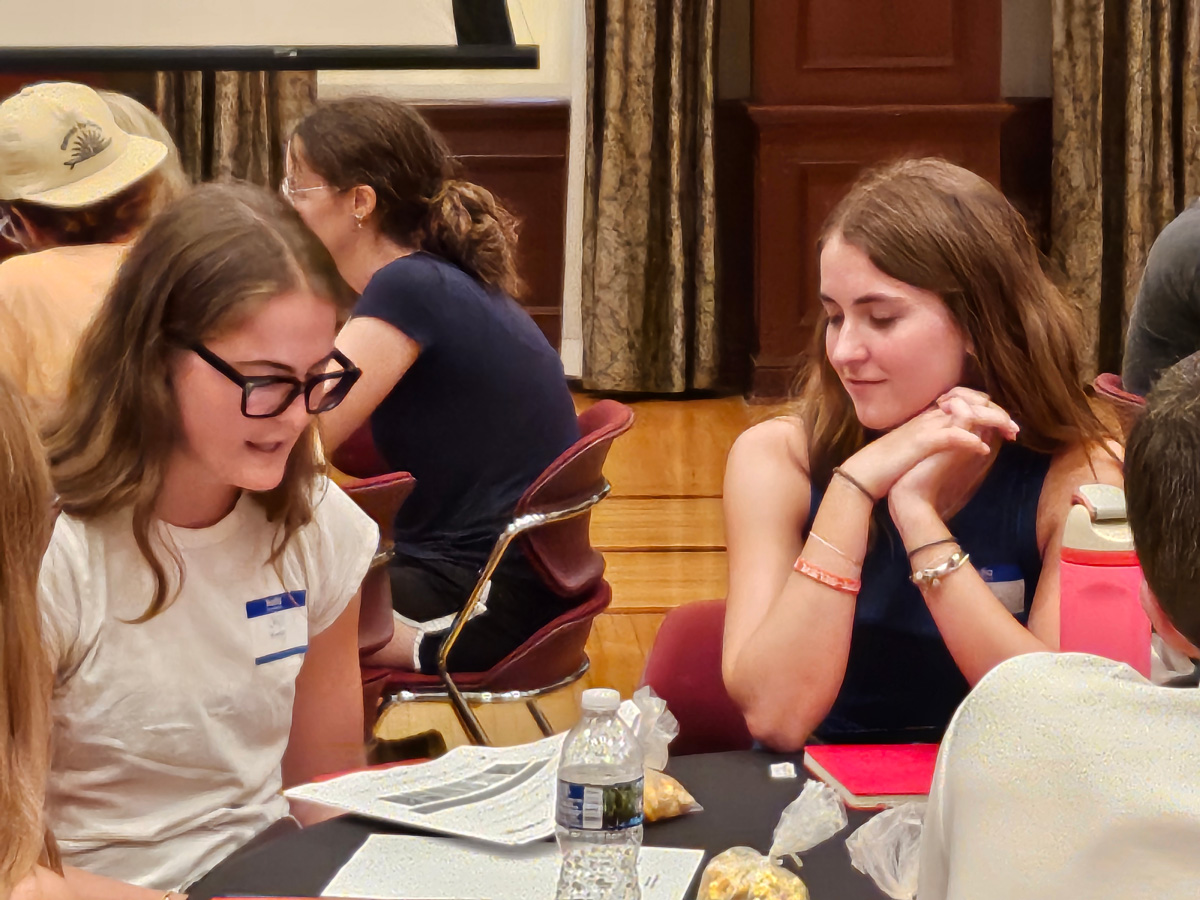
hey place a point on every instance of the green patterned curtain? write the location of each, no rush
(234, 125)
(649, 280)
(1126, 149)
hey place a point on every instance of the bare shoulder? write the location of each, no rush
(778, 443)
(766, 474)
(1068, 470)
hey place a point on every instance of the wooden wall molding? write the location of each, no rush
(845, 52)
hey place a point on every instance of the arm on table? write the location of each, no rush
(787, 637)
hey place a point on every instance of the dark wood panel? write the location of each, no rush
(1026, 156)
(876, 51)
(733, 157)
(807, 159)
(831, 39)
(519, 152)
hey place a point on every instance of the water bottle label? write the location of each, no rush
(606, 807)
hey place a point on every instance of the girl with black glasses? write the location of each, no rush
(200, 588)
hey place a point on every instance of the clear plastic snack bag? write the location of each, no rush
(654, 726)
(888, 849)
(745, 874)
(813, 817)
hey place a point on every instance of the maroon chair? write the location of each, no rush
(552, 521)
(1126, 406)
(358, 456)
(380, 497)
(684, 669)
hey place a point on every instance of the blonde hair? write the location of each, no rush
(201, 266)
(25, 505)
(937, 226)
(133, 117)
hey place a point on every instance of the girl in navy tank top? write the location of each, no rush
(898, 536)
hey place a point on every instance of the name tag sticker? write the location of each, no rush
(278, 626)
(1007, 584)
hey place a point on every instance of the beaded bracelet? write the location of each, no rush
(933, 576)
(837, 582)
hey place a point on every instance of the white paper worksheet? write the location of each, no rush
(504, 795)
(400, 867)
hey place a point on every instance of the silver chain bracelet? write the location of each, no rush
(933, 576)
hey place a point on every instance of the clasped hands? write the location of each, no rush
(935, 460)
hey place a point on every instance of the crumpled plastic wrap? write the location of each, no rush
(742, 873)
(888, 849)
(653, 725)
(813, 817)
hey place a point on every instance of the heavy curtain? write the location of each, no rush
(234, 125)
(649, 293)
(1126, 150)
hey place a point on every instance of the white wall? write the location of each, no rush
(558, 27)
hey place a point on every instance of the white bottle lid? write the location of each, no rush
(1097, 520)
(601, 700)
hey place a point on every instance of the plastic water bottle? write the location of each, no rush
(1099, 579)
(599, 810)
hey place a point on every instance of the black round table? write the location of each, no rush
(741, 807)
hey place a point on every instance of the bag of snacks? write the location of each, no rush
(745, 874)
(654, 726)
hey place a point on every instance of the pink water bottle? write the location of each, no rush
(1099, 610)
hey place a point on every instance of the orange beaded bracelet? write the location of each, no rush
(837, 582)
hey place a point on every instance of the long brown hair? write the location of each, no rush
(25, 501)
(939, 227)
(198, 270)
(421, 202)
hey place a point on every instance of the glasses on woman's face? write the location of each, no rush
(265, 396)
(288, 188)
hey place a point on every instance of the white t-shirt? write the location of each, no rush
(1066, 776)
(168, 735)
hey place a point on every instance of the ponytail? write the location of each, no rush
(466, 225)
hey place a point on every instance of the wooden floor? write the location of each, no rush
(662, 537)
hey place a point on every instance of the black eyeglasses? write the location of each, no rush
(265, 396)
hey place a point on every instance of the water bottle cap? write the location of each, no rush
(601, 700)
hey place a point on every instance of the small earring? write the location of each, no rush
(359, 219)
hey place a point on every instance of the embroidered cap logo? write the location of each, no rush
(85, 140)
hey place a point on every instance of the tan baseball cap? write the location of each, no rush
(59, 146)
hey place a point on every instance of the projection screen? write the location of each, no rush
(265, 33)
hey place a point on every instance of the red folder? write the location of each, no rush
(872, 776)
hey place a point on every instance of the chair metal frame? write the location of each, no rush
(460, 699)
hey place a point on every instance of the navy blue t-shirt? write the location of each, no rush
(477, 418)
